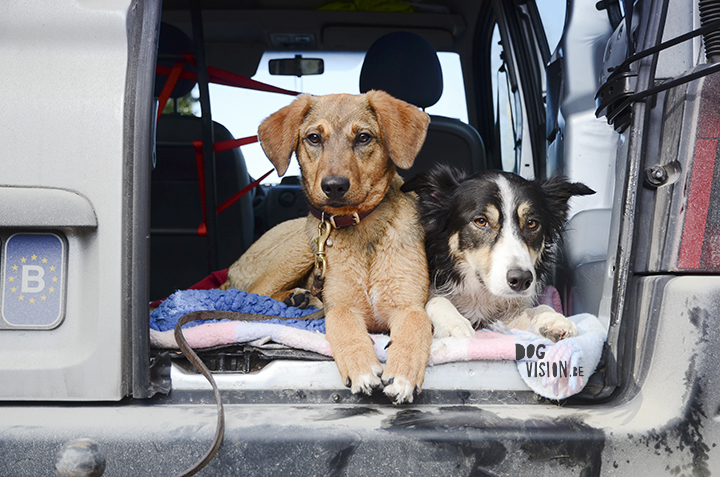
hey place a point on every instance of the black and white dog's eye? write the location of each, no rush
(532, 224)
(481, 222)
(313, 138)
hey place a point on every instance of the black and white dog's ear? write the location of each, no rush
(558, 191)
(436, 185)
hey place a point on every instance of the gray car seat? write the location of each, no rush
(179, 256)
(406, 66)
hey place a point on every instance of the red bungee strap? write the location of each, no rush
(169, 86)
(200, 163)
(244, 191)
(233, 143)
(217, 76)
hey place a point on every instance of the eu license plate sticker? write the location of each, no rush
(33, 292)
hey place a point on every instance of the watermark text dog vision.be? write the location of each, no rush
(540, 368)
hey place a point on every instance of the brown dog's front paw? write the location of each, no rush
(361, 380)
(298, 297)
(399, 389)
(405, 380)
(407, 356)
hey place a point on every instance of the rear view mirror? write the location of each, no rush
(297, 66)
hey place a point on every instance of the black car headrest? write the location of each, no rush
(406, 66)
(173, 42)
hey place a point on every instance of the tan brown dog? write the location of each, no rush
(376, 277)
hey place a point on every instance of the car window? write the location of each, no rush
(507, 106)
(552, 14)
(242, 110)
(510, 116)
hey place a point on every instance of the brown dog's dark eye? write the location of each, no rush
(481, 222)
(363, 138)
(531, 224)
(313, 138)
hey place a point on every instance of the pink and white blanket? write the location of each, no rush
(562, 371)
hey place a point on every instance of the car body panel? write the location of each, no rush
(79, 125)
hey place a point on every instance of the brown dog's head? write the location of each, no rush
(347, 146)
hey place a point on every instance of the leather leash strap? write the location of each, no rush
(195, 360)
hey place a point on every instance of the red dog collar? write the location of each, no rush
(339, 221)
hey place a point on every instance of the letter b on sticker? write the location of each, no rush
(32, 279)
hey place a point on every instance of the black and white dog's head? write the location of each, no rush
(495, 226)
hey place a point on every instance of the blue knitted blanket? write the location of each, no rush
(181, 302)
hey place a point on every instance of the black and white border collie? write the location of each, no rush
(489, 241)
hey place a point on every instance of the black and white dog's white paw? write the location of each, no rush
(554, 326)
(447, 321)
(546, 322)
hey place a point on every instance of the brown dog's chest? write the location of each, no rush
(375, 265)
(359, 278)
(355, 253)
(359, 249)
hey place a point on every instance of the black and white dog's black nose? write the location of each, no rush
(519, 280)
(335, 187)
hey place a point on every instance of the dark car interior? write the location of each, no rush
(401, 59)
(502, 51)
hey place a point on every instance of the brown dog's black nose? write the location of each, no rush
(335, 187)
(519, 280)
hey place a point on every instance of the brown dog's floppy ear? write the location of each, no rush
(278, 133)
(404, 127)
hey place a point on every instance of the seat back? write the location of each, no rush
(584, 251)
(406, 66)
(179, 256)
(449, 141)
